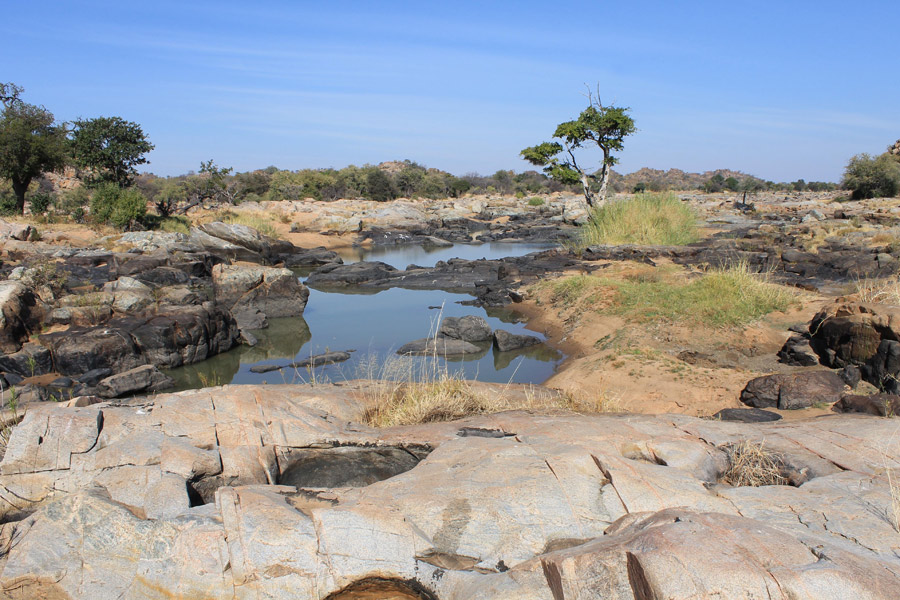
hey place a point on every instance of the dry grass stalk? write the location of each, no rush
(879, 291)
(752, 465)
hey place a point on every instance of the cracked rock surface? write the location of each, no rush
(184, 496)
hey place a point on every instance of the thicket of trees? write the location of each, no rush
(106, 149)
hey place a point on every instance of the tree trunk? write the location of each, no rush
(586, 187)
(19, 188)
(604, 178)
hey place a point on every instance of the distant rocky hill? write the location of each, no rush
(671, 179)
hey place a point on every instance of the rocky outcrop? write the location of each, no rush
(858, 334)
(273, 292)
(180, 336)
(274, 492)
(797, 390)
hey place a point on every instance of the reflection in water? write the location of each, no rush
(540, 352)
(282, 339)
(427, 256)
(374, 323)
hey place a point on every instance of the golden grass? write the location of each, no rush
(750, 464)
(648, 219)
(878, 291)
(409, 391)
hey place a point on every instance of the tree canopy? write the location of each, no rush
(111, 148)
(600, 125)
(30, 144)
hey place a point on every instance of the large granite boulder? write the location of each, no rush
(275, 492)
(274, 292)
(20, 314)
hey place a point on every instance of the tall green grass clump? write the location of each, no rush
(646, 219)
(728, 296)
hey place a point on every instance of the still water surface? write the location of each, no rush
(375, 325)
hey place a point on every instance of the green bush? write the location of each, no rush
(121, 208)
(8, 206)
(535, 201)
(40, 202)
(520, 195)
(649, 219)
(868, 177)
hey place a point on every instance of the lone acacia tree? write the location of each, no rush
(111, 148)
(605, 126)
(30, 143)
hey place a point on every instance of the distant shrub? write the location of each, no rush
(652, 219)
(40, 202)
(868, 177)
(520, 195)
(535, 201)
(121, 208)
(71, 204)
(639, 188)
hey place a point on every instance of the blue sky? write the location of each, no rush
(783, 90)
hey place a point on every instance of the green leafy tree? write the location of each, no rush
(30, 144)
(605, 126)
(732, 184)
(111, 148)
(378, 186)
(869, 177)
(714, 184)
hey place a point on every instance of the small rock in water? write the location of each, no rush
(505, 341)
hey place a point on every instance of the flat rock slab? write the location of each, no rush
(280, 492)
(439, 347)
(318, 360)
(746, 415)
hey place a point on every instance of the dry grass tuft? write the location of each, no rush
(879, 291)
(752, 465)
(410, 390)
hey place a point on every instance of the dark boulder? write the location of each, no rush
(146, 378)
(469, 328)
(797, 352)
(32, 359)
(881, 405)
(797, 390)
(505, 341)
